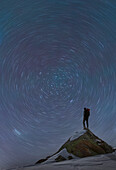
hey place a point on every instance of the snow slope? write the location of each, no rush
(99, 162)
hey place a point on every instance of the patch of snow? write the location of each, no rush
(65, 154)
(77, 135)
(98, 140)
(99, 143)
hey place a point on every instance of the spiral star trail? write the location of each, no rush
(56, 57)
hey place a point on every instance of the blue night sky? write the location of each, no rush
(56, 57)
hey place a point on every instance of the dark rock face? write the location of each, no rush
(40, 161)
(86, 144)
(70, 157)
(60, 158)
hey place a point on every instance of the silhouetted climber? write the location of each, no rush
(85, 117)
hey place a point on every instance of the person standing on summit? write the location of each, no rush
(85, 117)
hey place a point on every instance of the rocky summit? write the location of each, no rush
(81, 144)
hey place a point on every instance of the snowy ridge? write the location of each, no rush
(63, 153)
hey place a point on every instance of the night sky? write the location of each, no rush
(56, 57)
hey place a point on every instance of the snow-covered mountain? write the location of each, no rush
(83, 150)
(81, 144)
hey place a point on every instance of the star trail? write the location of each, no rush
(56, 57)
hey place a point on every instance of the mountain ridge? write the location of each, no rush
(82, 144)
